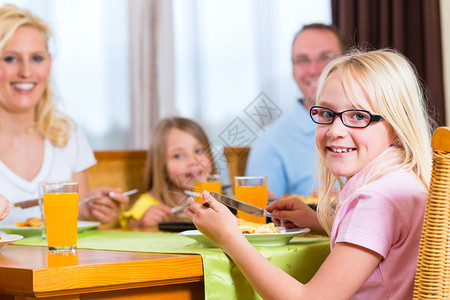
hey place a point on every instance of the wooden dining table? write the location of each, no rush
(118, 264)
(32, 272)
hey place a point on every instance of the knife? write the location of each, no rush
(27, 203)
(242, 206)
(128, 193)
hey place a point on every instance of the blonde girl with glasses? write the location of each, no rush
(383, 169)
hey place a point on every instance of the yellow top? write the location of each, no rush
(138, 210)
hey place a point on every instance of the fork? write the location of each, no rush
(128, 193)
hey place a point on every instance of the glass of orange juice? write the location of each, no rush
(251, 190)
(61, 214)
(211, 184)
(66, 259)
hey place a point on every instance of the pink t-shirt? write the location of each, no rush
(385, 216)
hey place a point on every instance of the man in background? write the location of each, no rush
(285, 151)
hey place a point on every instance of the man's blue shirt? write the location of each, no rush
(285, 153)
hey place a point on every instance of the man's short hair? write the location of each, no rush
(320, 26)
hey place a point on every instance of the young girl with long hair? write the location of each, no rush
(179, 154)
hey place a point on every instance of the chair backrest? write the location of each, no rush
(119, 169)
(433, 266)
(237, 160)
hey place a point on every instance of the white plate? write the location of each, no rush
(256, 239)
(36, 231)
(5, 239)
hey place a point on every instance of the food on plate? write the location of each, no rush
(251, 227)
(310, 199)
(30, 222)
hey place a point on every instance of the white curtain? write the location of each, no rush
(90, 67)
(151, 67)
(232, 54)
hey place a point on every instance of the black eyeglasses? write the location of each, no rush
(354, 118)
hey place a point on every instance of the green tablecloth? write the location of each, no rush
(223, 280)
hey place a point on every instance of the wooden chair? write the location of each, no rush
(432, 279)
(119, 169)
(237, 160)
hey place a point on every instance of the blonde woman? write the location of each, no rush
(372, 129)
(179, 154)
(37, 142)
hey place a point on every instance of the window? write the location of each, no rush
(230, 52)
(90, 64)
(227, 54)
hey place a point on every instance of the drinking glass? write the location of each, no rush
(211, 184)
(60, 202)
(64, 259)
(41, 209)
(252, 190)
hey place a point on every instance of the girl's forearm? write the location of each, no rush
(267, 279)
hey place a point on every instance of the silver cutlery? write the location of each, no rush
(127, 193)
(234, 203)
(35, 202)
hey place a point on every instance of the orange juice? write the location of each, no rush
(62, 259)
(210, 186)
(61, 215)
(254, 195)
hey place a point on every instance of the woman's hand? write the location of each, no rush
(155, 214)
(298, 213)
(216, 222)
(4, 207)
(106, 208)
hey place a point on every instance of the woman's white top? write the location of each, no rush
(59, 165)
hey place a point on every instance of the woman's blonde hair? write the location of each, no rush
(391, 84)
(157, 179)
(54, 125)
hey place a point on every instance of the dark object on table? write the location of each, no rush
(176, 226)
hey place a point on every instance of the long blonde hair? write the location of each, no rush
(156, 179)
(54, 125)
(391, 84)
